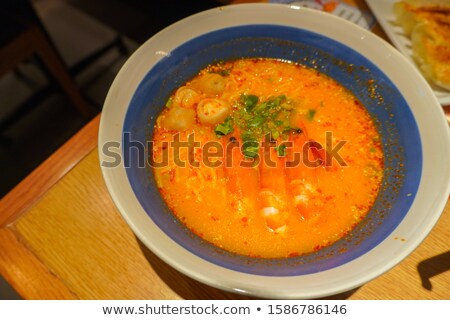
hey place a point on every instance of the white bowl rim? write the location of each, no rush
(427, 205)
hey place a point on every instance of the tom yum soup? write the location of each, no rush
(267, 158)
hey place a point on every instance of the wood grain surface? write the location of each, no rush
(75, 242)
(29, 190)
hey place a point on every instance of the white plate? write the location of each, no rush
(383, 11)
(351, 13)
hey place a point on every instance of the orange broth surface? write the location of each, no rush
(242, 203)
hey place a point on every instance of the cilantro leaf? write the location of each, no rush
(311, 114)
(250, 148)
(249, 101)
(281, 150)
(222, 129)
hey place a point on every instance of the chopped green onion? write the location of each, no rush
(275, 134)
(249, 101)
(256, 121)
(169, 102)
(281, 150)
(223, 72)
(222, 129)
(311, 114)
(276, 102)
(250, 148)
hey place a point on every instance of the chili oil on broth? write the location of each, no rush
(259, 210)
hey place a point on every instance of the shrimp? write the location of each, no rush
(303, 179)
(186, 97)
(177, 118)
(273, 190)
(242, 180)
(212, 111)
(211, 84)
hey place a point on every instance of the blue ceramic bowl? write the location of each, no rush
(364, 64)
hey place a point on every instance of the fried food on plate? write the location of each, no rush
(427, 23)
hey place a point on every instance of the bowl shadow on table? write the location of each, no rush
(433, 266)
(190, 289)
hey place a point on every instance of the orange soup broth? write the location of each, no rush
(342, 194)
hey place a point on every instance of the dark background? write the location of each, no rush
(49, 119)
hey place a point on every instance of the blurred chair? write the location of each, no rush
(23, 37)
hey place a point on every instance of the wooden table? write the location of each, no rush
(61, 237)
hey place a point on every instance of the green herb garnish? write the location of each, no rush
(249, 101)
(222, 129)
(222, 72)
(250, 148)
(169, 102)
(256, 119)
(281, 150)
(311, 114)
